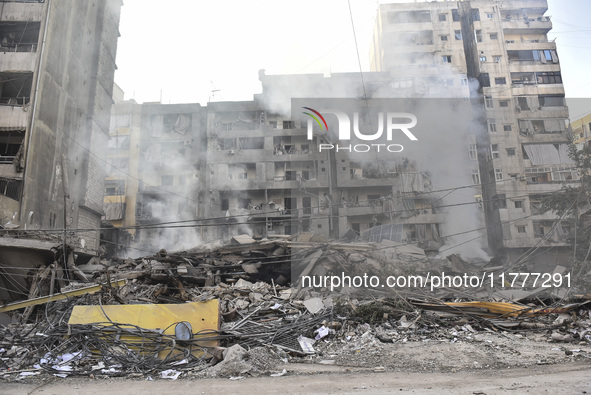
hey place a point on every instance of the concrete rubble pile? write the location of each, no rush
(267, 316)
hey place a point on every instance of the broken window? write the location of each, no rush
(523, 103)
(227, 144)
(244, 203)
(225, 204)
(488, 101)
(446, 58)
(497, 58)
(518, 203)
(507, 128)
(307, 205)
(444, 38)
(455, 15)
(475, 14)
(523, 78)
(546, 126)
(252, 142)
(19, 36)
(442, 17)
(10, 144)
(535, 204)
(494, 36)
(373, 200)
(500, 81)
(288, 125)
(478, 35)
(238, 172)
(118, 142)
(114, 187)
(409, 17)
(500, 201)
(551, 101)
(523, 55)
(482, 58)
(458, 34)
(510, 151)
(484, 80)
(539, 230)
(290, 175)
(503, 103)
(520, 229)
(11, 188)
(553, 77)
(15, 88)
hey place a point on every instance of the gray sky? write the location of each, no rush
(184, 50)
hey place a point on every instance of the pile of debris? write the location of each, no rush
(243, 309)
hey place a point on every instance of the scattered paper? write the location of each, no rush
(110, 370)
(283, 372)
(170, 374)
(29, 373)
(307, 344)
(322, 332)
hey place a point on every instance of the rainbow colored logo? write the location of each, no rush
(316, 119)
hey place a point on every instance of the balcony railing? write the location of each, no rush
(14, 101)
(18, 47)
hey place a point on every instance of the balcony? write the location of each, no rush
(361, 210)
(13, 118)
(539, 25)
(21, 61)
(530, 45)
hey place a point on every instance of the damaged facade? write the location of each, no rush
(255, 172)
(522, 153)
(249, 169)
(155, 162)
(55, 99)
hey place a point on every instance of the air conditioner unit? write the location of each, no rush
(522, 178)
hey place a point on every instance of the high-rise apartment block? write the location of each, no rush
(57, 62)
(504, 46)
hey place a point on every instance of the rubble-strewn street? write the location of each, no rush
(251, 318)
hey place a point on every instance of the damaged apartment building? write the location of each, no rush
(248, 167)
(256, 172)
(522, 152)
(57, 62)
(155, 156)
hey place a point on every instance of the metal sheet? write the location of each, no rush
(203, 316)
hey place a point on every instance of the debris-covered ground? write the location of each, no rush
(270, 324)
